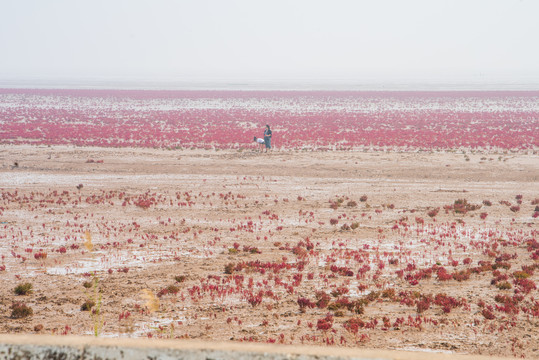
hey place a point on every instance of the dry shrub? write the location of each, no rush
(20, 310)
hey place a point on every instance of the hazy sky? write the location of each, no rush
(273, 39)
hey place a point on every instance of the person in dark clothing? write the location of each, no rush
(267, 137)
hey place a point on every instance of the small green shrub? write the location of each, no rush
(521, 275)
(23, 289)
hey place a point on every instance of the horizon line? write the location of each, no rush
(267, 84)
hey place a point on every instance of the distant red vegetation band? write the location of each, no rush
(314, 119)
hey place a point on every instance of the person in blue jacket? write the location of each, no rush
(267, 137)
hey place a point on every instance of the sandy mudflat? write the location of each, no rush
(279, 218)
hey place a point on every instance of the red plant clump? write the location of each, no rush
(341, 290)
(305, 303)
(325, 323)
(255, 299)
(508, 305)
(515, 208)
(461, 206)
(433, 212)
(353, 325)
(423, 304)
(462, 275)
(524, 285)
(40, 255)
(145, 201)
(488, 314)
(251, 249)
(124, 315)
(171, 289)
(322, 299)
(443, 275)
(447, 303)
(344, 271)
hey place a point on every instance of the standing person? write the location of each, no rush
(267, 137)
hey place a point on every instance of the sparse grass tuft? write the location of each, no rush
(23, 289)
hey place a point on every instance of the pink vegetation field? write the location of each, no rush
(309, 119)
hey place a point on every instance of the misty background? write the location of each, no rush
(246, 43)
